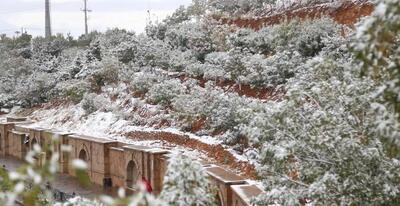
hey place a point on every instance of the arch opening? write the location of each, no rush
(34, 141)
(83, 155)
(26, 143)
(132, 174)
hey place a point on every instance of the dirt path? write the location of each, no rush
(217, 152)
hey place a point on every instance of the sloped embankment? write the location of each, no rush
(68, 117)
(217, 151)
(348, 13)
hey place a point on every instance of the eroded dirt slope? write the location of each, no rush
(348, 13)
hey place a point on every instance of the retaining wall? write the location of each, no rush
(112, 163)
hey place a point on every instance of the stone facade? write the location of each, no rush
(58, 138)
(223, 180)
(5, 128)
(132, 163)
(95, 152)
(243, 194)
(112, 163)
(18, 144)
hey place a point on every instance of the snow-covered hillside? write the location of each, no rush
(313, 105)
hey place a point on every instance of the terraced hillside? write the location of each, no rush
(302, 99)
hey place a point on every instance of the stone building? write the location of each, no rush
(10, 141)
(112, 163)
(135, 162)
(223, 180)
(96, 153)
(242, 194)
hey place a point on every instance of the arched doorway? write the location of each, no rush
(132, 174)
(34, 141)
(83, 155)
(26, 143)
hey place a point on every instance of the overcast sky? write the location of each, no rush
(67, 17)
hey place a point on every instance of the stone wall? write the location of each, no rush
(242, 194)
(112, 163)
(95, 152)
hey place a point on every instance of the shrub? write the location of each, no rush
(143, 81)
(191, 36)
(164, 92)
(107, 74)
(152, 53)
(92, 102)
(189, 185)
(219, 109)
(75, 92)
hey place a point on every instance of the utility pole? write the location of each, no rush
(48, 19)
(86, 10)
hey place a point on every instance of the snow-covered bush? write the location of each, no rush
(377, 45)
(318, 145)
(179, 61)
(108, 73)
(20, 42)
(255, 42)
(306, 37)
(35, 89)
(213, 67)
(310, 40)
(92, 102)
(156, 30)
(270, 72)
(235, 66)
(190, 35)
(180, 15)
(146, 79)
(219, 109)
(188, 185)
(259, 7)
(152, 53)
(119, 44)
(164, 92)
(73, 90)
(52, 47)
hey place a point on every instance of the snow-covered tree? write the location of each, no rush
(187, 186)
(318, 145)
(378, 47)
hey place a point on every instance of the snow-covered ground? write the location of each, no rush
(72, 118)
